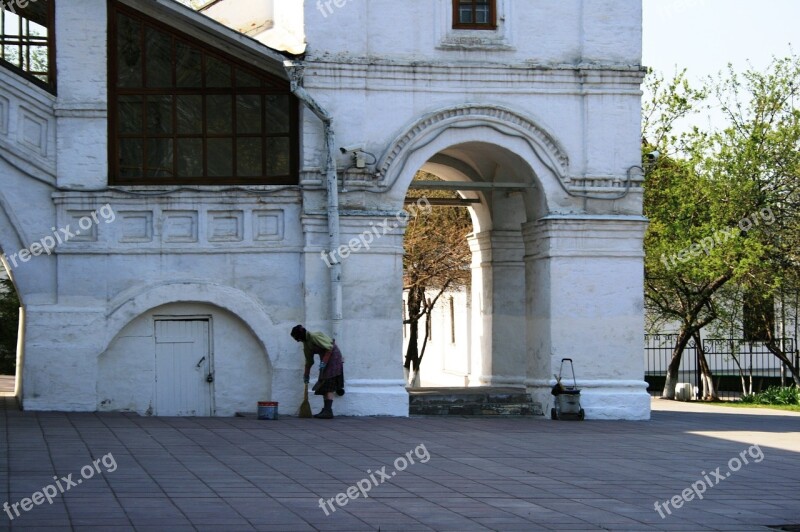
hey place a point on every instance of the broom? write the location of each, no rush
(305, 408)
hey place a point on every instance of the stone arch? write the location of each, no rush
(136, 301)
(485, 144)
(12, 237)
(490, 125)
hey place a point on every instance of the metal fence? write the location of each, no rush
(736, 365)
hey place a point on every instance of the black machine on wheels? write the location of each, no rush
(567, 399)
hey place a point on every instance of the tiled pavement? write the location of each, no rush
(232, 474)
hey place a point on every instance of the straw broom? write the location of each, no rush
(305, 408)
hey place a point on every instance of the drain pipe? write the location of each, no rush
(295, 71)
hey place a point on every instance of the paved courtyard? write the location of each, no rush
(125, 472)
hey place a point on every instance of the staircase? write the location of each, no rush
(478, 401)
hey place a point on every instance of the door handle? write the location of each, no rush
(210, 378)
(201, 361)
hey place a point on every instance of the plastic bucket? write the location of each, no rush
(267, 410)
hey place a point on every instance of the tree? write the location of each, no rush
(762, 142)
(437, 258)
(707, 198)
(9, 327)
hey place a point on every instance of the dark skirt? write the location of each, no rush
(331, 385)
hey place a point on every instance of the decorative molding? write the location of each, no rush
(487, 114)
(178, 223)
(27, 127)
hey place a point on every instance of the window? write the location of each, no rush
(27, 41)
(182, 112)
(474, 15)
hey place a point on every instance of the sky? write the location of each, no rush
(705, 35)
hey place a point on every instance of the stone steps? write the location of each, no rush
(478, 401)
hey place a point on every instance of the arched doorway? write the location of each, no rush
(184, 359)
(557, 255)
(492, 182)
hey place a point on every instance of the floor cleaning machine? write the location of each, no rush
(567, 399)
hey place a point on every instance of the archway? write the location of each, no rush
(184, 359)
(494, 184)
(204, 331)
(558, 270)
(514, 172)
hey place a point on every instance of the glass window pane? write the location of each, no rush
(248, 113)
(278, 156)
(38, 60)
(482, 12)
(130, 158)
(130, 114)
(159, 158)
(190, 157)
(36, 30)
(10, 23)
(159, 114)
(219, 157)
(188, 66)
(129, 52)
(465, 11)
(190, 114)
(158, 60)
(218, 73)
(248, 157)
(276, 109)
(219, 115)
(245, 79)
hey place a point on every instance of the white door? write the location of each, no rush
(183, 367)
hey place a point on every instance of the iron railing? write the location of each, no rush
(737, 366)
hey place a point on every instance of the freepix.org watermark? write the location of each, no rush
(699, 487)
(707, 244)
(64, 234)
(363, 486)
(10, 5)
(375, 232)
(63, 484)
(326, 6)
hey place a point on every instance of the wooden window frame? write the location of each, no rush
(50, 85)
(491, 25)
(277, 86)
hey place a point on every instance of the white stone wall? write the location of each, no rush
(549, 101)
(446, 363)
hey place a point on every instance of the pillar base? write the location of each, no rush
(601, 399)
(365, 397)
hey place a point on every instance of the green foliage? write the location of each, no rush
(715, 183)
(9, 326)
(723, 204)
(774, 395)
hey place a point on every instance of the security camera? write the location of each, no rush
(653, 156)
(352, 148)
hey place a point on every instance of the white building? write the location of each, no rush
(214, 196)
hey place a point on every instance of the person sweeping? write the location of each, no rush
(331, 366)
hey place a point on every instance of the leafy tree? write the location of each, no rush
(437, 258)
(9, 326)
(762, 142)
(707, 199)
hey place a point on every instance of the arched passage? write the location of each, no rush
(550, 280)
(514, 170)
